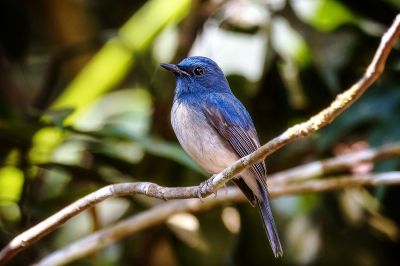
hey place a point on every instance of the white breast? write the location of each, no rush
(200, 140)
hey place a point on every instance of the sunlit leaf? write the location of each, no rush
(220, 44)
(54, 183)
(293, 205)
(12, 158)
(112, 62)
(288, 43)
(129, 109)
(57, 117)
(152, 145)
(11, 181)
(9, 211)
(128, 151)
(44, 142)
(170, 150)
(324, 15)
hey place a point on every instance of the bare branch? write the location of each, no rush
(336, 164)
(311, 170)
(323, 118)
(162, 212)
(326, 116)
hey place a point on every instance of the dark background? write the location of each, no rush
(120, 130)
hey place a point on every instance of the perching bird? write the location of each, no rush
(216, 130)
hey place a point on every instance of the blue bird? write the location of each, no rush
(216, 130)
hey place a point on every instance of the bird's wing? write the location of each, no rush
(231, 120)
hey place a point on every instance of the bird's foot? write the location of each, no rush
(206, 187)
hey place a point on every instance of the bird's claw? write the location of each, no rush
(215, 194)
(205, 187)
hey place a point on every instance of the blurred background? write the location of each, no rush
(84, 103)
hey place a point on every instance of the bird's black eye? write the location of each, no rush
(198, 71)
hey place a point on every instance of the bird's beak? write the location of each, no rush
(175, 69)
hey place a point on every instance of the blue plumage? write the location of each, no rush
(215, 129)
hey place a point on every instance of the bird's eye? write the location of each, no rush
(198, 71)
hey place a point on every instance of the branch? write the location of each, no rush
(162, 212)
(323, 118)
(334, 165)
(326, 116)
(311, 170)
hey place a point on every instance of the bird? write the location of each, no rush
(215, 130)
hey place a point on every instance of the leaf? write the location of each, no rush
(108, 67)
(153, 145)
(378, 109)
(11, 181)
(324, 15)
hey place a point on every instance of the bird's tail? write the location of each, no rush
(269, 223)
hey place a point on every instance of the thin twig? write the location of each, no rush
(162, 212)
(326, 116)
(335, 164)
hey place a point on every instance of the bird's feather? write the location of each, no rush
(215, 129)
(234, 124)
(245, 190)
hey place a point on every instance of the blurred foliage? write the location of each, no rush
(84, 104)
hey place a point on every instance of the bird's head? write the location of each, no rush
(198, 75)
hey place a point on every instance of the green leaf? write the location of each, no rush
(11, 181)
(324, 15)
(109, 66)
(152, 145)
